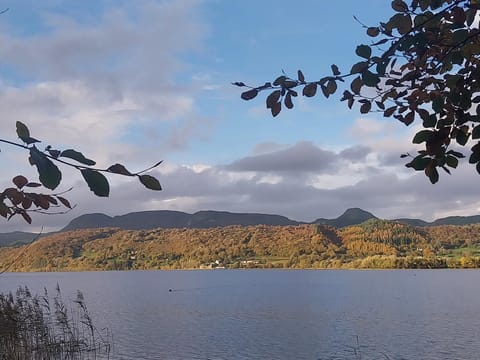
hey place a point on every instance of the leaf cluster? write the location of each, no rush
(15, 200)
(422, 64)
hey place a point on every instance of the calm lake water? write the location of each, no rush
(274, 314)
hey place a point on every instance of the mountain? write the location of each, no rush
(374, 243)
(351, 216)
(168, 219)
(86, 221)
(175, 219)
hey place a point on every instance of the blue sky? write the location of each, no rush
(139, 81)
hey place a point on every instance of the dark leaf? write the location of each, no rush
(356, 85)
(370, 79)
(276, 108)
(273, 98)
(77, 156)
(432, 173)
(97, 183)
(41, 201)
(389, 112)
(300, 76)
(33, 184)
(373, 31)
(331, 87)
(365, 108)
(290, 84)
(380, 105)
(150, 182)
(240, 84)
(418, 163)
(455, 153)
(359, 67)
(119, 169)
(288, 101)
(476, 132)
(280, 80)
(22, 130)
(380, 42)
(4, 209)
(27, 203)
(363, 51)
(399, 5)
(431, 121)
(26, 217)
(51, 200)
(408, 119)
(49, 174)
(310, 90)
(325, 91)
(20, 181)
(350, 102)
(437, 104)
(249, 95)
(461, 138)
(451, 161)
(15, 196)
(64, 201)
(422, 136)
(404, 24)
(346, 95)
(335, 70)
(474, 157)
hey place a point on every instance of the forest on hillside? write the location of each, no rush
(372, 244)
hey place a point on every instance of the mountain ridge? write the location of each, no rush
(373, 244)
(152, 219)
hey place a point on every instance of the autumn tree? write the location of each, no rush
(422, 64)
(27, 196)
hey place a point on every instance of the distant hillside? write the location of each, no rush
(412, 222)
(371, 244)
(457, 220)
(167, 219)
(351, 216)
(450, 220)
(176, 219)
(16, 238)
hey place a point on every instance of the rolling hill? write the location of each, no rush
(168, 219)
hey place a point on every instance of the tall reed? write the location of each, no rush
(31, 327)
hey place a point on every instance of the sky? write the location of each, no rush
(135, 82)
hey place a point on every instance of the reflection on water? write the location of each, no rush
(263, 314)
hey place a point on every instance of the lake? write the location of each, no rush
(278, 314)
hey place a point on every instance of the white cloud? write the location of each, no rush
(109, 87)
(91, 83)
(368, 128)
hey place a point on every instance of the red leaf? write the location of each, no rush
(64, 201)
(27, 217)
(20, 181)
(249, 95)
